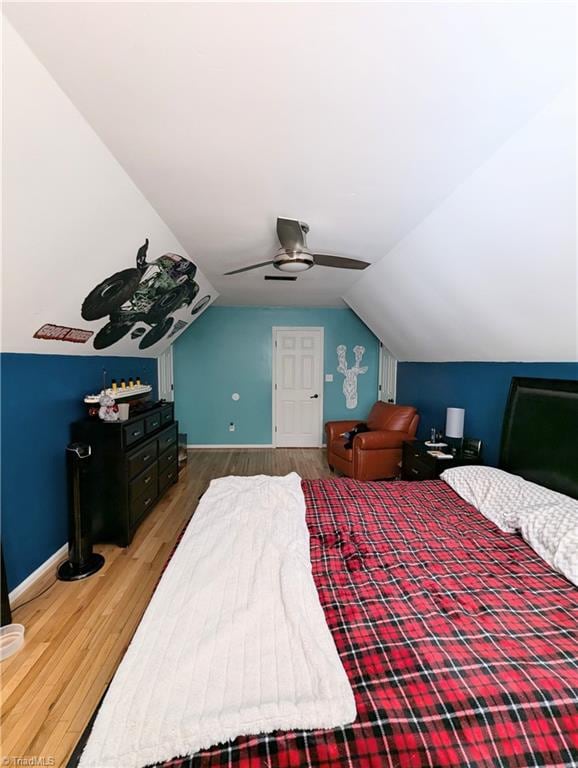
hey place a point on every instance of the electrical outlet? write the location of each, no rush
(329, 377)
(231, 427)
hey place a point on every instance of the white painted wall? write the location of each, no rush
(72, 216)
(491, 274)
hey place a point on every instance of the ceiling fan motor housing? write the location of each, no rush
(293, 261)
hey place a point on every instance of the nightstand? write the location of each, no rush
(417, 464)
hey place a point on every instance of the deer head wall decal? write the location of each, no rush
(350, 374)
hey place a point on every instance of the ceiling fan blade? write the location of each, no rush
(247, 269)
(290, 234)
(324, 260)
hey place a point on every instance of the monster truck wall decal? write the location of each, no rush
(142, 299)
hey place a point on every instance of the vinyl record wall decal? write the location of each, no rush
(200, 305)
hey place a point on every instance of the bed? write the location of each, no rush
(459, 641)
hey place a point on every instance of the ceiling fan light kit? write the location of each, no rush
(295, 257)
(293, 262)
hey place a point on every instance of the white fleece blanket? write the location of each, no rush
(234, 641)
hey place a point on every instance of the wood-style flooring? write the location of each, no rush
(77, 633)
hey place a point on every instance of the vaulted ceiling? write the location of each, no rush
(359, 118)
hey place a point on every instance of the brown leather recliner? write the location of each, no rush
(376, 454)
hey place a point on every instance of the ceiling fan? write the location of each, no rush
(294, 256)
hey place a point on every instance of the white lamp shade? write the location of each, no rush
(455, 422)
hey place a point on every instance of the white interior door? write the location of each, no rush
(388, 378)
(165, 373)
(297, 387)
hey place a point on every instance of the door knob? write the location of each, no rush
(312, 397)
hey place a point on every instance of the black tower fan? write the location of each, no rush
(82, 561)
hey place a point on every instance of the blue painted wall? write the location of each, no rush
(229, 349)
(480, 388)
(41, 396)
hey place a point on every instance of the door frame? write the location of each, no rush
(275, 330)
(165, 373)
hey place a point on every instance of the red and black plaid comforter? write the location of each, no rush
(459, 642)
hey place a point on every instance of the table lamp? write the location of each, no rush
(455, 424)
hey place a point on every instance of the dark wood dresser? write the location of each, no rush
(133, 463)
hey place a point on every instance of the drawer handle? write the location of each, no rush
(415, 471)
(170, 458)
(147, 480)
(136, 433)
(169, 475)
(147, 457)
(147, 501)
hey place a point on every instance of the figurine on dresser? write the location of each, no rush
(108, 410)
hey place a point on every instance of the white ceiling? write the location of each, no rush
(358, 118)
(494, 272)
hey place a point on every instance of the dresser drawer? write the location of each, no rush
(417, 469)
(167, 438)
(410, 451)
(145, 483)
(168, 457)
(152, 423)
(166, 415)
(140, 506)
(168, 476)
(133, 432)
(140, 459)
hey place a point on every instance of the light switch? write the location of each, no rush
(329, 377)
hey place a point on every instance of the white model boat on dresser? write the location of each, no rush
(122, 394)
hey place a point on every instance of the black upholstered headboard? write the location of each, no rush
(540, 433)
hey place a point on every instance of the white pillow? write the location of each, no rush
(498, 495)
(547, 520)
(552, 532)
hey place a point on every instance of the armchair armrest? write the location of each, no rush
(334, 428)
(380, 439)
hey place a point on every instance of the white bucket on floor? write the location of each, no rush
(11, 639)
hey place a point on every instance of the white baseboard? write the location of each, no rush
(230, 445)
(239, 445)
(40, 571)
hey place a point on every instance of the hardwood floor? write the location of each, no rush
(77, 632)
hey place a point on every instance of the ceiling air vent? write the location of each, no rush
(280, 277)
